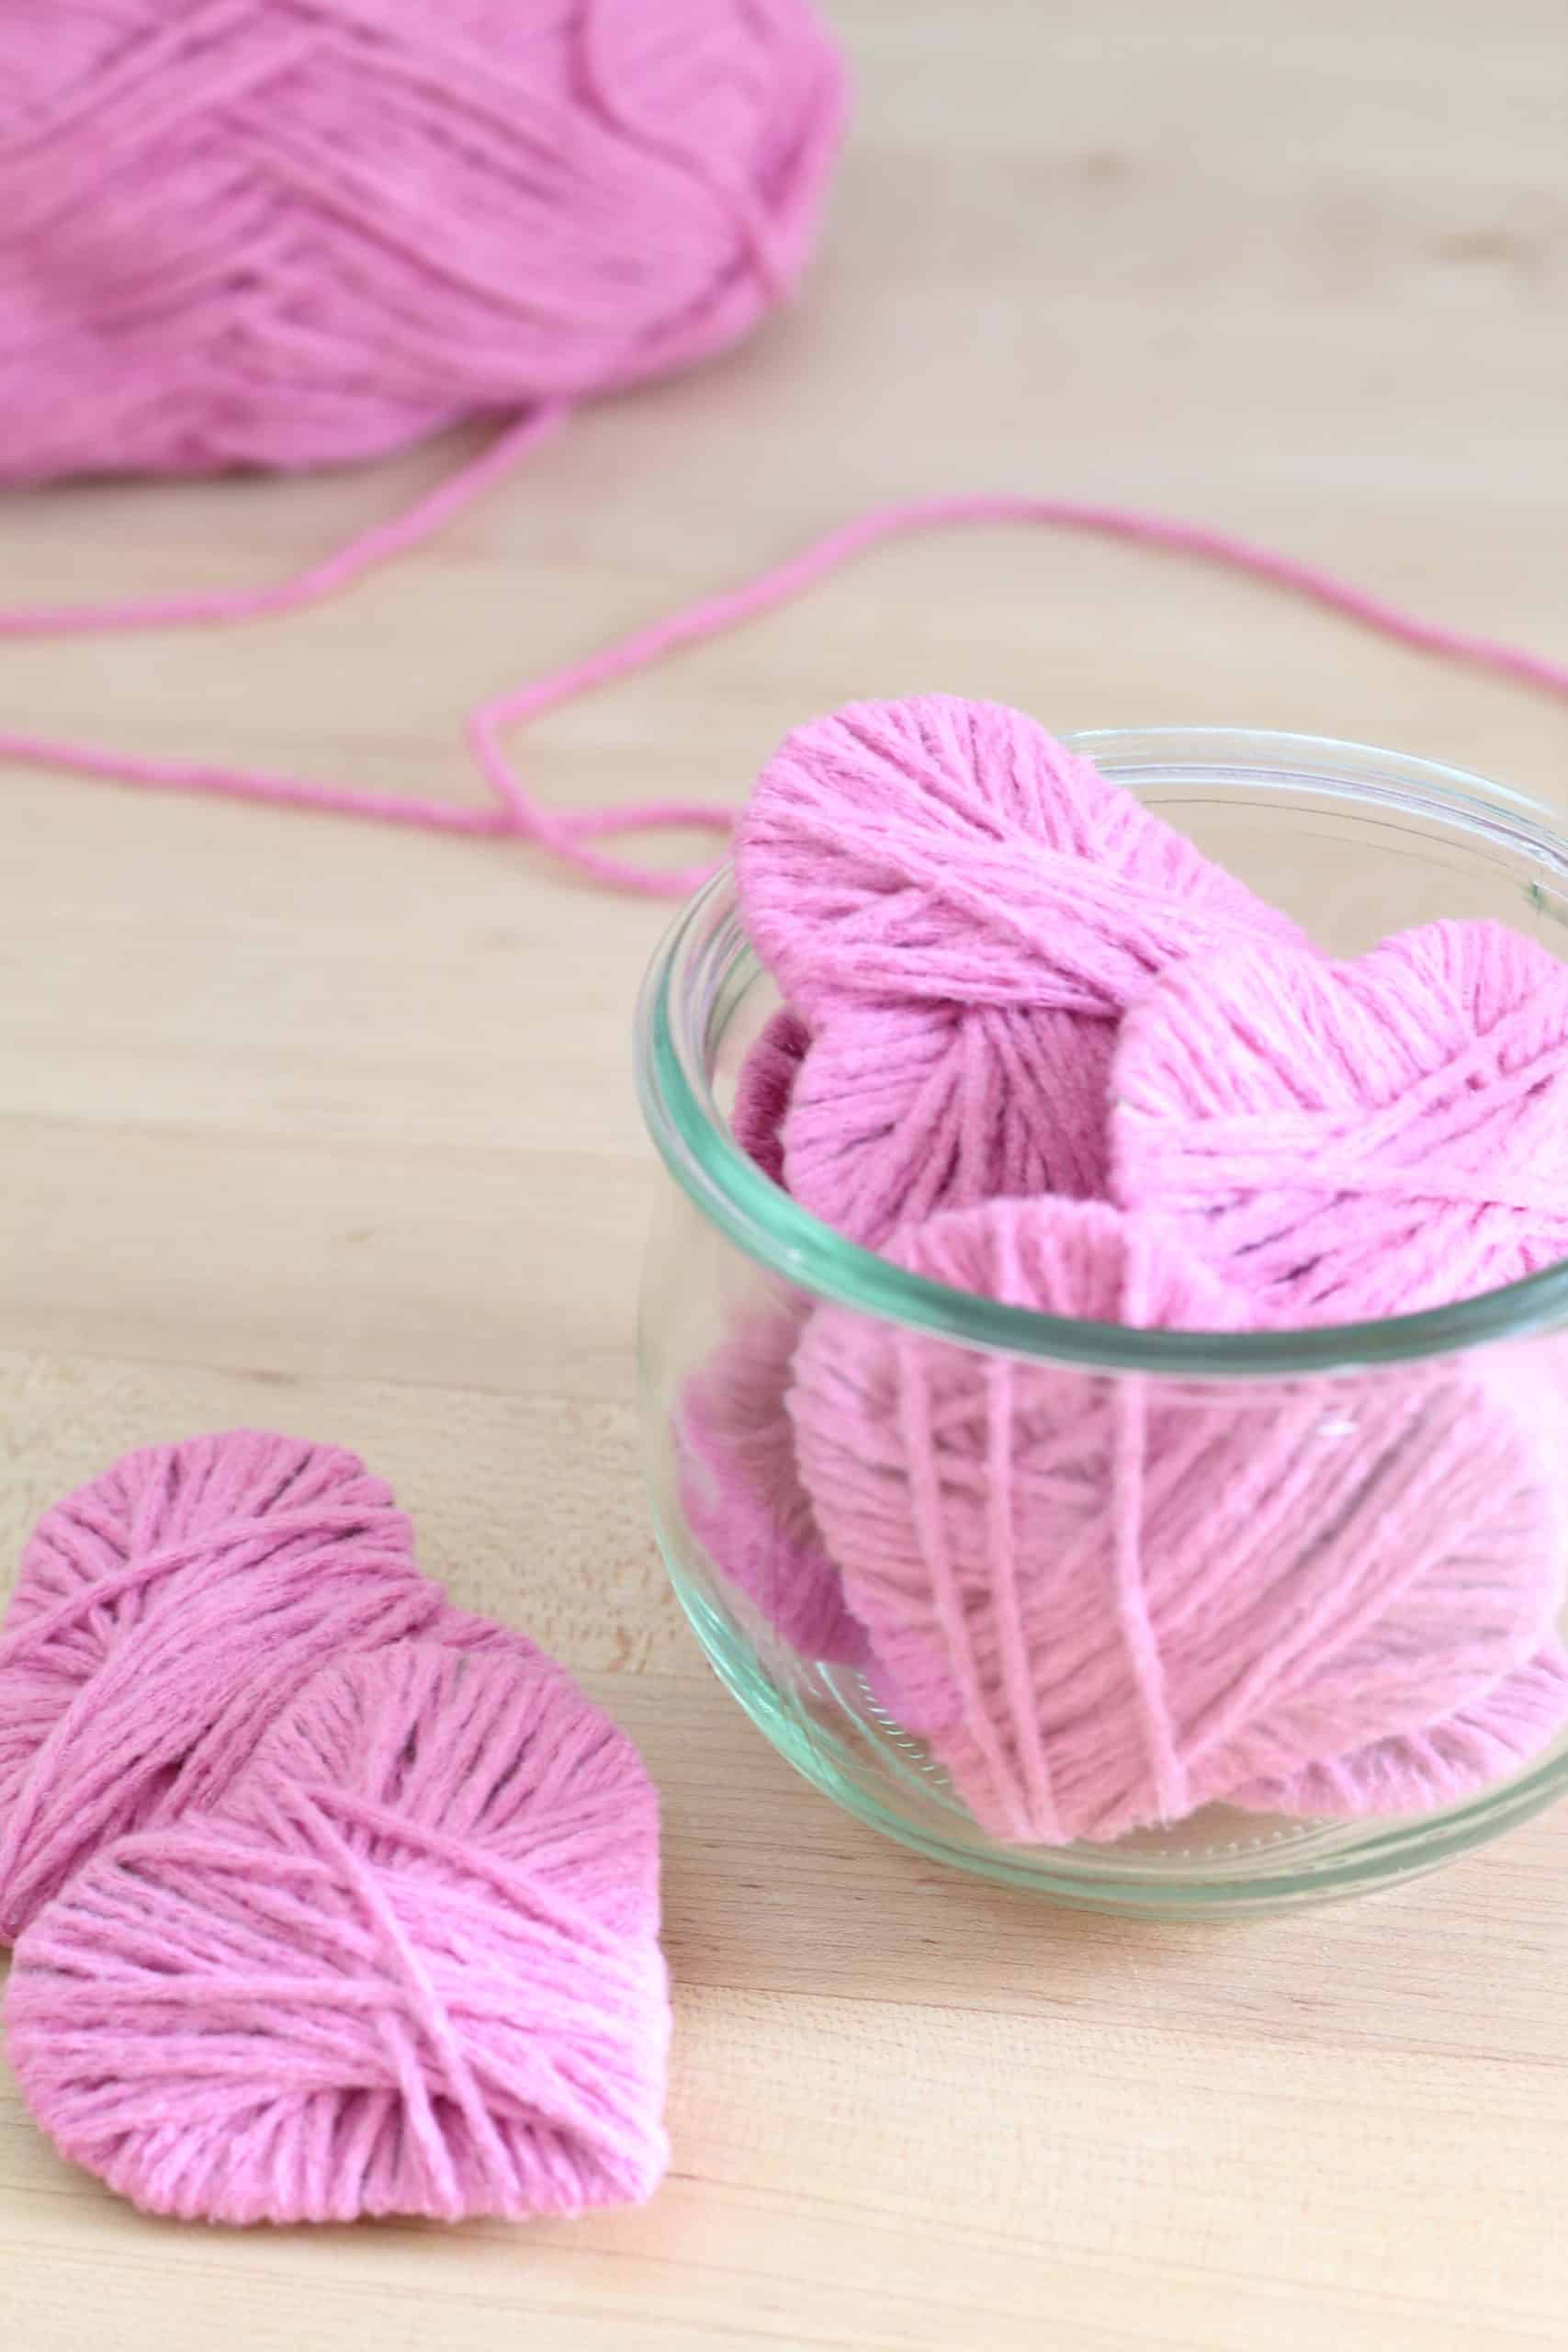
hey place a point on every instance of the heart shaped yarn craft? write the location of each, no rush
(961, 909)
(410, 1965)
(163, 1614)
(1359, 1140)
(1108, 1601)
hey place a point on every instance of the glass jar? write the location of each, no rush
(1354, 844)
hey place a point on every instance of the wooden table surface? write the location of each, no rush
(320, 1126)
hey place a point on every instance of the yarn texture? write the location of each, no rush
(1358, 1139)
(962, 909)
(1485, 1742)
(766, 1087)
(1109, 1601)
(742, 1489)
(162, 1615)
(292, 232)
(408, 1965)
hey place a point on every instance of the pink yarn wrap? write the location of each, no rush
(1109, 1601)
(294, 233)
(1359, 1139)
(961, 909)
(409, 1965)
(162, 1615)
(510, 808)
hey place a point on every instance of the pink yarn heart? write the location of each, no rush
(961, 907)
(409, 1966)
(1358, 1139)
(1110, 1600)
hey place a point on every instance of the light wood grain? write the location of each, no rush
(309, 1124)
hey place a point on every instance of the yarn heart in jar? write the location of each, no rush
(163, 1614)
(1108, 1602)
(1360, 1139)
(961, 909)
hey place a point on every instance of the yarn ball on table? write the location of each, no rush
(1359, 1140)
(409, 1966)
(162, 1615)
(961, 909)
(284, 233)
(1107, 1601)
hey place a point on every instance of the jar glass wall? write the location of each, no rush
(762, 1331)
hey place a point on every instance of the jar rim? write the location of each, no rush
(733, 1194)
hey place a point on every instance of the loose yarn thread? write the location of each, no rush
(512, 810)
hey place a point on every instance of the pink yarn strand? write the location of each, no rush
(339, 569)
(513, 810)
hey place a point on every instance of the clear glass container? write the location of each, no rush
(1354, 844)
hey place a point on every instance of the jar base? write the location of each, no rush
(1218, 1863)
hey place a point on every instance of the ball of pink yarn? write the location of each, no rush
(162, 1616)
(1359, 1140)
(410, 1966)
(280, 235)
(1108, 1602)
(962, 908)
